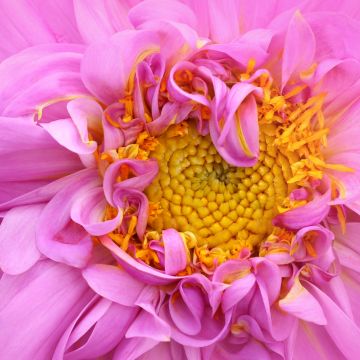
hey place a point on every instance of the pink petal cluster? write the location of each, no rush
(67, 290)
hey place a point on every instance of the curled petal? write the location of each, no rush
(138, 270)
(57, 236)
(235, 130)
(144, 173)
(125, 198)
(88, 210)
(311, 242)
(175, 252)
(310, 214)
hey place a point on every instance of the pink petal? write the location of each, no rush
(237, 138)
(18, 251)
(88, 210)
(175, 252)
(39, 323)
(58, 237)
(40, 74)
(106, 67)
(29, 153)
(300, 303)
(157, 10)
(299, 48)
(310, 214)
(132, 349)
(145, 172)
(223, 21)
(113, 283)
(98, 20)
(149, 326)
(342, 330)
(140, 271)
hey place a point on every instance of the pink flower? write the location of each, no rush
(179, 180)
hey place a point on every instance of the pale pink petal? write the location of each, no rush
(40, 76)
(18, 251)
(97, 330)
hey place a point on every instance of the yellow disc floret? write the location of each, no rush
(223, 206)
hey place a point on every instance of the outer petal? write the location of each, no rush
(18, 251)
(38, 324)
(41, 23)
(40, 76)
(98, 20)
(106, 67)
(29, 153)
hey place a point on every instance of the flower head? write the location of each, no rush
(188, 169)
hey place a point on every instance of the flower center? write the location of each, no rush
(222, 205)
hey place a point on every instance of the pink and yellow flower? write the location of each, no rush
(180, 180)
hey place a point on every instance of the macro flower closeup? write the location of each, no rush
(180, 179)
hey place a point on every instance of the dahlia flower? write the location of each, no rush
(180, 179)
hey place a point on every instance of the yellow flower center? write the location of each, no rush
(222, 205)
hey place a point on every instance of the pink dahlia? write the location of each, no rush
(180, 179)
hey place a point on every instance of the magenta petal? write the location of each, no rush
(88, 210)
(18, 251)
(113, 283)
(299, 48)
(175, 252)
